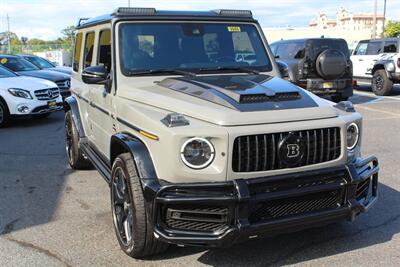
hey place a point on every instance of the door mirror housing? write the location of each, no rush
(95, 75)
(283, 69)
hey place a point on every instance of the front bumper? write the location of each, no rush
(223, 213)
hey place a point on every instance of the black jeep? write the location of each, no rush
(320, 65)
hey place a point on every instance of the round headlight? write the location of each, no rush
(197, 153)
(353, 134)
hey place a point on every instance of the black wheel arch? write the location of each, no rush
(126, 142)
(71, 104)
(2, 100)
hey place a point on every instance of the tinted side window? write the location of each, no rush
(77, 52)
(290, 51)
(361, 48)
(104, 57)
(374, 48)
(390, 47)
(88, 53)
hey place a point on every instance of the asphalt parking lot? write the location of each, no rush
(53, 216)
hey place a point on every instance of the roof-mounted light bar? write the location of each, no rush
(234, 13)
(134, 11)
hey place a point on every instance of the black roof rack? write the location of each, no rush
(145, 12)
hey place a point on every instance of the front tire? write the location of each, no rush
(74, 153)
(381, 84)
(4, 114)
(132, 225)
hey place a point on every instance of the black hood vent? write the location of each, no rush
(260, 98)
(243, 92)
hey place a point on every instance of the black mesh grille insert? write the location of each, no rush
(282, 208)
(196, 218)
(261, 152)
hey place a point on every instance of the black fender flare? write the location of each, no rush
(139, 151)
(70, 103)
(381, 64)
(142, 158)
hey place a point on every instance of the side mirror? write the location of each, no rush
(283, 69)
(95, 75)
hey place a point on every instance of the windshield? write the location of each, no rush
(17, 64)
(191, 46)
(4, 73)
(39, 62)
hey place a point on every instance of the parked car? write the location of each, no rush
(376, 61)
(22, 96)
(320, 65)
(198, 148)
(44, 64)
(25, 68)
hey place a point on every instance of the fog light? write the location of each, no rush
(23, 109)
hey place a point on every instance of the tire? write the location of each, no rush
(131, 222)
(381, 84)
(339, 98)
(4, 114)
(74, 153)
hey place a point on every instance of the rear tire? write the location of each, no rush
(381, 84)
(74, 153)
(132, 224)
(4, 114)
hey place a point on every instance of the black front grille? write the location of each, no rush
(283, 208)
(196, 218)
(261, 152)
(47, 94)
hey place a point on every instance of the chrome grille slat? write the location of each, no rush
(43, 94)
(261, 152)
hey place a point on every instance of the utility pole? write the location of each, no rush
(384, 18)
(374, 20)
(8, 34)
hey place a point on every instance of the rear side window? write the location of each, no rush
(361, 48)
(290, 50)
(104, 57)
(88, 53)
(77, 52)
(374, 48)
(390, 47)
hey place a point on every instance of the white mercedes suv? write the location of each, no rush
(26, 96)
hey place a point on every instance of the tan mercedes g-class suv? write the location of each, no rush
(200, 147)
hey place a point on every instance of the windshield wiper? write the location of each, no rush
(159, 71)
(239, 69)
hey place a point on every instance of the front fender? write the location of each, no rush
(70, 103)
(139, 151)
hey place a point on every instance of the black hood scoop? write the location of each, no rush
(243, 92)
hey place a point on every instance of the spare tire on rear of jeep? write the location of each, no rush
(331, 64)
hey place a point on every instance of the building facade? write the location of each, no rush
(349, 22)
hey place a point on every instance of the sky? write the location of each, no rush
(45, 19)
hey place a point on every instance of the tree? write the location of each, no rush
(69, 33)
(392, 29)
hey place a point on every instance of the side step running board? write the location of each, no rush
(98, 163)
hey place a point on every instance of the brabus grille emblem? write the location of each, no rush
(293, 150)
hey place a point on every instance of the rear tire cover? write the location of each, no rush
(331, 64)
